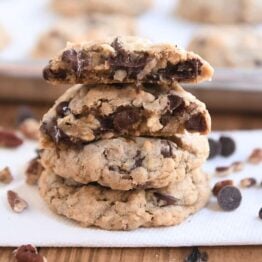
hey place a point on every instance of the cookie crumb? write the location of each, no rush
(255, 157)
(229, 198)
(6, 176)
(30, 128)
(33, 171)
(16, 203)
(197, 256)
(248, 182)
(28, 253)
(219, 185)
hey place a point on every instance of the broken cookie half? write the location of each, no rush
(128, 60)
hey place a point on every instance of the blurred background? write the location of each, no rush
(225, 33)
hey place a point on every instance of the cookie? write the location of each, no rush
(4, 38)
(128, 163)
(222, 11)
(93, 205)
(229, 46)
(80, 7)
(125, 60)
(93, 27)
(89, 113)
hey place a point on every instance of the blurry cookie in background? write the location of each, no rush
(4, 38)
(221, 11)
(93, 27)
(229, 46)
(76, 7)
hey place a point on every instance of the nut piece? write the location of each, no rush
(28, 253)
(16, 203)
(248, 182)
(224, 170)
(256, 156)
(219, 185)
(229, 198)
(33, 171)
(9, 139)
(238, 166)
(30, 128)
(6, 176)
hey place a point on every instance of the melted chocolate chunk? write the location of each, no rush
(70, 57)
(132, 64)
(196, 123)
(153, 88)
(164, 119)
(184, 70)
(138, 160)
(164, 199)
(62, 109)
(59, 74)
(166, 149)
(125, 118)
(175, 104)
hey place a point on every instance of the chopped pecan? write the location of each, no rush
(16, 203)
(33, 171)
(28, 253)
(9, 139)
(5, 176)
(256, 156)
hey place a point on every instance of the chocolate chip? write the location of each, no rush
(106, 123)
(125, 118)
(174, 103)
(214, 148)
(24, 112)
(62, 109)
(123, 60)
(196, 123)
(197, 256)
(219, 185)
(166, 149)
(164, 119)
(70, 57)
(229, 198)
(59, 74)
(228, 145)
(164, 199)
(138, 159)
(260, 213)
(184, 70)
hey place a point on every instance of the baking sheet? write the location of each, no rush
(211, 226)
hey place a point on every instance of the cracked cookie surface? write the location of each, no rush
(222, 11)
(95, 27)
(240, 46)
(89, 113)
(126, 59)
(128, 163)
(76, 8)
(93, 205)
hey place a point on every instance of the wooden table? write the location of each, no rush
(221, 121)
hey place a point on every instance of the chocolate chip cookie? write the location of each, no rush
(234, 46)
(93, 27)
(89, 113)
(222, 11)
(126, 60)
(93, 205)
(128, 163)
(80, 7)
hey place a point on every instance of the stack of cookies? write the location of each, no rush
(124, 148)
